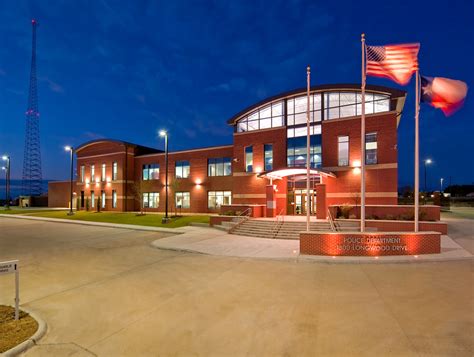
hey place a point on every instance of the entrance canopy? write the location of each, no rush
(292, 171)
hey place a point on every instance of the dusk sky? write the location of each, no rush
(124, 69)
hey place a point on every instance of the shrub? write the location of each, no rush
(346, 210)
(352, 216)
(87, 204)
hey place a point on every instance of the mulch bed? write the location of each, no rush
(13, 332)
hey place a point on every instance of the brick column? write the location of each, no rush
(270, 210)
(321, 206)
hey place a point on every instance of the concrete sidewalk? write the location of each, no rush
(216, 242)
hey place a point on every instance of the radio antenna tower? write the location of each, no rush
(32, 176)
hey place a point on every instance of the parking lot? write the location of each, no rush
(107, 292)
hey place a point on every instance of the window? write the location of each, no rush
(102, 173)
(270, 116)
(348, 104)
(248, 159)
(219, 166)
(151, 200)
(296, 151)
(114, 171)
(182, 169)
(102, 199)
(268, 148)
(151, 172)
(343, 150)
(92, 199)
(371, 148)
(217, 198)
(83, 172)
(296, 109)
(114, 199)
(182, 199)
(92, 173)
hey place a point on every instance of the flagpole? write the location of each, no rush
(308, 146)
(362, 141)
(417, 148)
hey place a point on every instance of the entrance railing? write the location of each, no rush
(279, 220)
(241, 218)
(332, 224)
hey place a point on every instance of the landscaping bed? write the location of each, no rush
(12, 332)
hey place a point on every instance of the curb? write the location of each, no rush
(98, 224)
(26, 345)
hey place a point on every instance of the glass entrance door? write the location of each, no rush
(298, 201)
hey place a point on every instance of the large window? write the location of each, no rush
(297, 109)
(115, 171)
(268, 153)
(343, 150)
(248, 159)
(92, 173)
(102, 199)
(270, 116)
(182, 199)
(114, 199)
(102, 173)
(217, 198)
(371, 148)
(220, 166)
(83, 172)
(296, 151)
(92, 199)
(151, 172)
(151, 200)
(182, 169)
(348, 104)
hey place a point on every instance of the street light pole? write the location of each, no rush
(164, 134)
(71, 150)
(7, 181)
(441, 181)
(427, 161)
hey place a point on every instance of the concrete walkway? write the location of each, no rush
(216, 242)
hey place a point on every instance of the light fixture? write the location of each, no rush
(162, 133)
(4, 157)
(67, 148)
(198, 182)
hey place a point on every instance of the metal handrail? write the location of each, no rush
(241, 218)
(331, 221)
(279, 219)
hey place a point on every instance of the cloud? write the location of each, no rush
(53, 86)
(93, 136)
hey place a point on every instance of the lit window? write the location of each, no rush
(102, 199)
(92, 199)
(371, 148)
(151, 172)
(83, 172)
(270, 116)
(343, 150)
(219, 166)
(92, 173)
(182, 169)
(248, 159)
(217, 198)
(102, 173)
(182, 199)
(151, 200)
(115, 171)
(268, 148)
(114, 199)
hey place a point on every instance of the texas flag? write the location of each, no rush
(443, 93)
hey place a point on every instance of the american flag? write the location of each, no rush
(397, 62)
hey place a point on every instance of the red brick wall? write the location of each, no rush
(428, 213)
(407, 226)
(369, 244)
(59, 193)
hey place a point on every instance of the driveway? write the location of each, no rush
(106, 292)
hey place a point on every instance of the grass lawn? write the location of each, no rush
(14, 332)
(153, 220)
(459, 212)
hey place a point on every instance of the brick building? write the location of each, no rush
(265, 165)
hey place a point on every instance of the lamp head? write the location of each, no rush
(428, 161)
(163, 133)
(5, 157)
(68, 148)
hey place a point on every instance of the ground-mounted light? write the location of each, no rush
(356, 167)
(258, 169)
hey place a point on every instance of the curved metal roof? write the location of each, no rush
(141, 148)
(393, 92)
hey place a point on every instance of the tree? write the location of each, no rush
(175, 185)
(138, 189)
